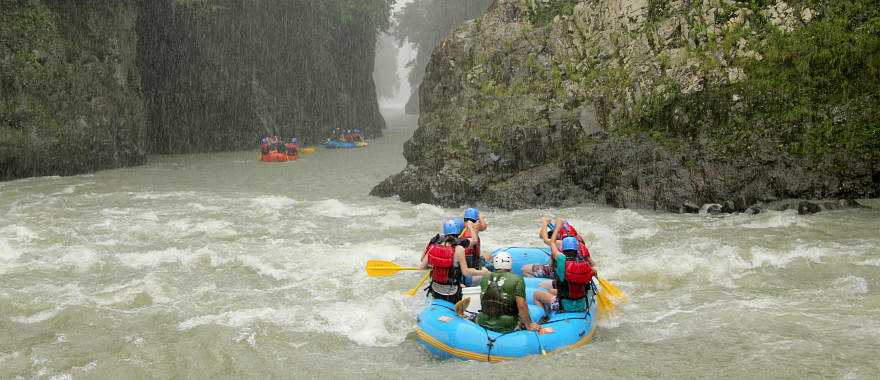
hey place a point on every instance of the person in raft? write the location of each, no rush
(572, 277)
(475, 259)
(292, 147)
(264, 146)
(565, 230)
(274, 144)
(445, 256)
(503, 299)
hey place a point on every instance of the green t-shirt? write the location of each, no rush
(568, 305)
(512, 286)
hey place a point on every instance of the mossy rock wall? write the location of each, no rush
(649, 104)
(70, 90)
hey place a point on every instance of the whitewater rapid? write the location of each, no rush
(218, 265)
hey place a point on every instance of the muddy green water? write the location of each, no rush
(220, 266)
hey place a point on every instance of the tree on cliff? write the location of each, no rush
(425, 23)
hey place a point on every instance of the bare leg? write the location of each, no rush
(527, 270)
(544, 300)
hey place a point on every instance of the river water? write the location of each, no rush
(220, 266)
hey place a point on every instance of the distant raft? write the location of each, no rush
(278, 157)
(338, 144)
(448, 336)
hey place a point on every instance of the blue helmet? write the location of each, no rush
(570, 243)
(453, 226)
(472, 214)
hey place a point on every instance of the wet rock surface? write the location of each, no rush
(519, 112)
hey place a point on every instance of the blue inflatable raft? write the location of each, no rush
(337, 144)
(448, 336)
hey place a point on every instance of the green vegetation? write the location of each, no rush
(815, 93)
(87, 85)
(541, 12)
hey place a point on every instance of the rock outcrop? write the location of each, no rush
(71, 91)
(89, 85)
(635, 103)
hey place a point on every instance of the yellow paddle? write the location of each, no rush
(613, 291)
(415, 290)
(382, 268)
(605, 305)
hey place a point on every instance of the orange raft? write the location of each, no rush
(278, 157)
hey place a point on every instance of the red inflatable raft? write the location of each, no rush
(278, 157)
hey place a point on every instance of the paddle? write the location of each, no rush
(612, 290)
(382, 268)
(415, 290)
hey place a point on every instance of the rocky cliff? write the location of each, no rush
(91, 84)
(219, 74)
(649, 104)
(70, 89)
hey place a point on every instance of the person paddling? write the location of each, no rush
(474, 256)
(564, 230)
(503, 298)
(446, 258)
(572, 275)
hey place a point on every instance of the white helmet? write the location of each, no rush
(502, 260)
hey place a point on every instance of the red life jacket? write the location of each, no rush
(472, 254)
(442, 261)
(578, 274)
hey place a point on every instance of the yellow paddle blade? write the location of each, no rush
(415, 290)
(308, 150)
(613, 291)
(606, 307)
(382, 268)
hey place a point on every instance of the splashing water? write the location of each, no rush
(222, 266)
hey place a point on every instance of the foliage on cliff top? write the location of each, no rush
(815, 92)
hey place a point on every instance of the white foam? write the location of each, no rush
(216, 228)
(870, 262)
(365, 322)
(235, 318)
(776, 219)
(125, 293)
(762, 256)
(80, 257)
(643, 233)
(16, 233)
(12, 355)
(265, 268)
(334, 208)
(430, 209)
(709, 260)
(148, 195)
(44, 315)
(149, 216)
(273, 202)
(852, 284)
(201, 207)
(157, 258)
